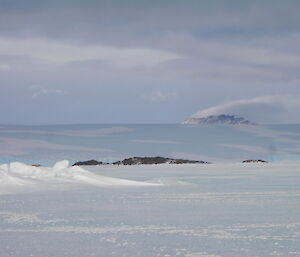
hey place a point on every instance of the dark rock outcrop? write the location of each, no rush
(36, 165)
(225, 119)
(90, 162)
(140, 161)
(154, 160)
(255, 161)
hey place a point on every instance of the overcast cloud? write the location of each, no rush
(148, 61)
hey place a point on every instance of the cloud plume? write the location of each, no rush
(265, 109)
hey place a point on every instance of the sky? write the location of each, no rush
(128, 61)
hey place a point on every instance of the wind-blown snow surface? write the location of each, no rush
(197, 211)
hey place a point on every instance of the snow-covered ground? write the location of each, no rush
(229, 209)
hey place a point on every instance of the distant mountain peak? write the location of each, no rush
(225, 119)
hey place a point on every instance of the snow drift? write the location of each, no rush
(20, 175)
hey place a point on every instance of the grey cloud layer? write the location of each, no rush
(202, 52)
(142, 19)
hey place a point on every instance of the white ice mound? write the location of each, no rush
(20, 174)
(61, 165)
(6, 179)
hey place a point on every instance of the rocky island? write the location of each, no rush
(155, 160)
(143, 161)
(255, 161)
(90, 162)
(224, 119)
